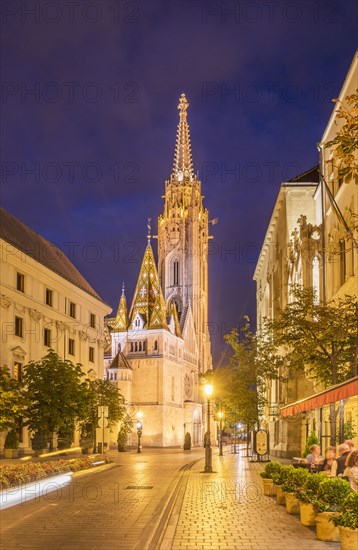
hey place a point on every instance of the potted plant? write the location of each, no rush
(11, 444)
(270, 470)
(306, 495)
(331, 494)
(312, 439)
(347, 522)
(292, 484)
(39, 443)
(187, 442)
(279, 478)
(122, 439)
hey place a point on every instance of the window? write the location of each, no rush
(155, 345)
(71, 346)
(47, 337)
(48, 297)
(91, 354)
(20, 282)
(17, 371)
(92, 320)
(175, 272)
(19, 328)
(72, 310)
(342, 262)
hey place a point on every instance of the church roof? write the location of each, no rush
(120, 362)
(121, 320)
(183, 163)
(42, 251)
(148, 299)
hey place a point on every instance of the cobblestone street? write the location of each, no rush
(160, 500)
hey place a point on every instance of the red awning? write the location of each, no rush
(341, 391)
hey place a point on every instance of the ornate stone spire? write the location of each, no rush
(121, 322)
(183, 164)
(148, 300)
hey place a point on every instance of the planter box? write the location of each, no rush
(280, 496)
(325, 530)
(269, 487)
(307, 514)
(292, 504)
(349, 538)
(11, 453)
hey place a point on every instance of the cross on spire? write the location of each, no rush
(149, 230)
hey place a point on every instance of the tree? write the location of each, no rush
(55, 393)
(241, 384)
(319, 339)
(101, 393)
(12, 403)
(346, 139)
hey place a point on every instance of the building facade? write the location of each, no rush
(312, 241)
(161, 344)
(45, 304)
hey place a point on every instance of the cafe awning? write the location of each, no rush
(331, 395)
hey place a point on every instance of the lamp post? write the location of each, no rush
(139, 425)
(220, 415)
(208, 389)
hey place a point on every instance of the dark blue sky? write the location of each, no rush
(99, 126)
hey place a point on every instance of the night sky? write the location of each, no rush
(89, 105)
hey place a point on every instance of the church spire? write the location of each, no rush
(121, 322)
(183, 164)
(148, 301)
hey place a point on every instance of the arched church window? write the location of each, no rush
(140, 346)
(144, 346)
(155, 345)
(136, 346)
(132, 347)
(175, 272)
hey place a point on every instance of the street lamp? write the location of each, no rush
(208, 389)
(139, 426)
(220, 415)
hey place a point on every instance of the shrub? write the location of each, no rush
(11, 440)
(348, 516)
(331, 494)
(187, 442)
(280, 476)
(39, 441)
(308, 492)
(312, 439)
(295, 479)
(271, 469)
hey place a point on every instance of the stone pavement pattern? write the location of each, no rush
(227, 511)
(98, 511)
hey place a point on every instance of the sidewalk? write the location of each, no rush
(227, 510)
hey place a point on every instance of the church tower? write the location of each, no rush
(183, 241)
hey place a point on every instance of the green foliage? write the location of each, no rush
(39, 441)
(318, 339)
(295, 480)
(281, 475)
(349, 431)
(271, 469)
(346, 139)
(348, 516)
(187, 442)
(11, 440)
(331, 494)
(55, 393)
(12, 402)
(65, 438)
(312, 439)
(122, 438)
(308, 492)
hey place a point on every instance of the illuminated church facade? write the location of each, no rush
(161, 344)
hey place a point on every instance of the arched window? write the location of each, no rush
(155, 345)
(136, 346)
(144, 346)
(175, 272)
(132, 347)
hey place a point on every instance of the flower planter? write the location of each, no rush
(349, 538)
(307, 514)
(280, 496)
(325, 530)
(269, 487)
(292, 504)
(11, 453)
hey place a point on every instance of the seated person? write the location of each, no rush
(340, 463)
(328, 461)
(351, 470)
(314, 458)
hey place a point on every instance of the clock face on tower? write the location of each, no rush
(188, 385)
